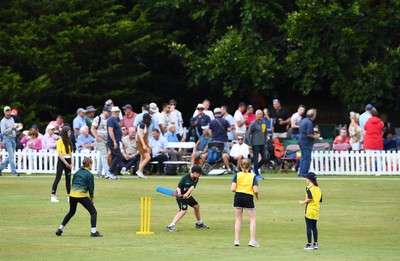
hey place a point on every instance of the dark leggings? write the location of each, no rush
(87, 203)
(60, 168)
(311, 224)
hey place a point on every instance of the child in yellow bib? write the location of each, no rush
(312, 202)
(245, 186)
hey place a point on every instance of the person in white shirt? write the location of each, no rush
(238, 152)
(207, 111)
(231, 120)
(240, 121)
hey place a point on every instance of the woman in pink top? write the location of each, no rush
(31, 141)
(373, 132)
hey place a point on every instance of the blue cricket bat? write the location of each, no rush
(166, 191)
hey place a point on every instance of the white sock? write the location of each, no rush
(171, 225)
(61, 227)
(200, 221)
(94, 230)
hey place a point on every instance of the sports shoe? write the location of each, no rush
(253, 243)
(308, 247)
(140, 175)
(315, 245)
(59, 232)
(236, 242)
(100, 176)
(109, 175)
(96, 234)
(54, 199)
(124, 172)
(15, 174)
(202, 225)
(260, 177)
(172, 229)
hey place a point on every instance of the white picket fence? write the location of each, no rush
(323, 162)
(356, 162)
(41, 161)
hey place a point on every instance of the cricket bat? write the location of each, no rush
(166, 191)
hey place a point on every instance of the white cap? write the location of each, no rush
(115, 108)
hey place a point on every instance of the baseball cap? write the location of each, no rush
(311, 176)
(51, 127)
(217, 110)
(206, 127)
(106, 108)
(127, 106)
(200, 106)
(197, 169)
(249, 106)
(7, 108)
(80, 110)
(115, 108)
(368, 107)
(14, 111)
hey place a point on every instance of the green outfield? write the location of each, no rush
(359, 221)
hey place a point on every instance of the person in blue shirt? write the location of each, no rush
(114, 137)
(306, 140)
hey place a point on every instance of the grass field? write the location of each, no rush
(359, 221)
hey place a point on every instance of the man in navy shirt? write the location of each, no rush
(306, 140)
(114, 137)
(219, 128)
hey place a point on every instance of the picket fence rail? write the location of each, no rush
(42, 161)
(323, 162)
(356, 162)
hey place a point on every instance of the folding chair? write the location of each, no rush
(214, 157)
(321, 146)
(341, 147)
(290, 156)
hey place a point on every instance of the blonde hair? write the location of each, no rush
(354, 115)
(245, 164)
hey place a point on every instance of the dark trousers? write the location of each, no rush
(116, 156)
(305, 159)
(129, 163)
(262, 150)
(60, 168)
(311, 225)
(160, 162)
(86, 203)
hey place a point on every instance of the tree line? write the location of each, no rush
(58, 55)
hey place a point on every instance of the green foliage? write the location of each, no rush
(348, 49)
(58, 52)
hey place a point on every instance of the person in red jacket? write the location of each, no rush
(373, 132)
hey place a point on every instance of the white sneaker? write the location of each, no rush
(140, 175)
(236, 242)
(254, 243)
(123, 171)
(110, 175)
(54, 199)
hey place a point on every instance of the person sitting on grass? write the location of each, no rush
(184, 198)
(245, 186)
(312, 202)
(82, 185)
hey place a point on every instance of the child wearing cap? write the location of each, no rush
(245, 186)
(312, 202)
(185, 187)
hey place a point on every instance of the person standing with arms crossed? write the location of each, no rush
(8, 129)
(82, 185)
(245, 186)
(306, 140)
(114, 137)
(64, 163)
(312, 202)
(185, 187)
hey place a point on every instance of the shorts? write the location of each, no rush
(233, 160)
(243, 200)
(184, 202)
